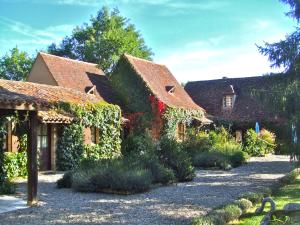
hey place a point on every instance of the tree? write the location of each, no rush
(285, 96)
(286, 52)
(15, 65)
(103, 41)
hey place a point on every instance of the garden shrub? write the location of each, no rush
(212, 159)
(203, 220)
(259, 144)
(66, 180)
(266, 191)
(231, 212)
(220, 159)
(196, 142)
(7, 188)
(238, 158)
(140, 151)
(172, 155)
(15, 164)
(112, 175)
(244, 204)
(253, 197)
(70, 147)
(137, 144)
(219, 149)
(150, 162)
(290, 177)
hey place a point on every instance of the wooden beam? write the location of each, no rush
(32, 160)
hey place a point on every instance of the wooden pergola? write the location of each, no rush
(38, 101)
(33, 120)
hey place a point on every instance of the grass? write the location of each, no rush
(287, 194)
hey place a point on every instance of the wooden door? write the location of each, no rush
(43, 147)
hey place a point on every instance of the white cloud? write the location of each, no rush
(214, 63)
(42, 36)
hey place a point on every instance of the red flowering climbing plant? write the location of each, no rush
(160, 105)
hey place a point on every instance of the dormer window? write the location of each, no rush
(170, 89)
(228, 101)
(91, 90)
(228, 97)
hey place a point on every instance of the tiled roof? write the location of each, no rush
(39, 96)
(247, 108)
(160, 81)
(79, 75)
(53, 116)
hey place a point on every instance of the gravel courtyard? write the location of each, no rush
(175, 204)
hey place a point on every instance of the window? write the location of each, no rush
(94, 135)
(228, 101)
(180, 131)
(42, 136)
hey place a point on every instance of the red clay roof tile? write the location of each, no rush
(159, 80)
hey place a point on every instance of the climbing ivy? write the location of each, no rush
(173, 116)
(106, 117)
(2, 134)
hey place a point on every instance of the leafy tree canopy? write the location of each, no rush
(286, 53)
(15, 65)
(103, 41)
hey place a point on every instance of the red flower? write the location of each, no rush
(161, 106)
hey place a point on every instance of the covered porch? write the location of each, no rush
(38, 104)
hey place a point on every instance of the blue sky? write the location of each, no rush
(196, 39)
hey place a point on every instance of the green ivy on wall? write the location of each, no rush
(173, 116)
(2, 135)
(70, 147)
(106, 117)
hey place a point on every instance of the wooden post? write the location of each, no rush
(32, 160)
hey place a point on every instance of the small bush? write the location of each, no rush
(253, 197)
(160, 173)
(66, 180)
(137, 144)
(222, 160)
(212, 159)
(290, 177)
(203, 220)
(7, 188)
(267, 192)
(219, 149)
(259, 144)
(231, 212)
(15, 164)
(196, 142)
(113, 175)
(210, 219)
(244, 204)
(238, 158)
(173, 156)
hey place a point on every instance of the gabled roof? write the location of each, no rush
(78, 75)
(246, 108)
(33, 96)
(159, 79)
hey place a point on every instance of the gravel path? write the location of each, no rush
(176, 204)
